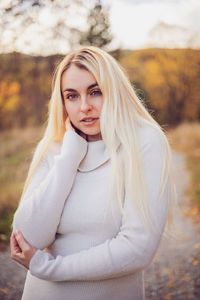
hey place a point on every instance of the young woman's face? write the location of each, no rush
(83, 100)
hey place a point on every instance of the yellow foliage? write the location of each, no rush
(14, 88)
(195, 262)
(167, 297)
(3, 89)
(11, 103)
(167, 271)
(3, 291)
(1, 100)
(197, 246)
(9, 95)
(169, 79)
(186, 278)
(9, 89)
(194, 211)
(153, 74)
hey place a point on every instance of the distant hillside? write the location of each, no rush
(167, 80)
(25, 87)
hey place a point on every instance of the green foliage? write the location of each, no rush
(6, 217)
(98, 33)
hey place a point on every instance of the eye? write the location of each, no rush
(96, 92)
(71, 96)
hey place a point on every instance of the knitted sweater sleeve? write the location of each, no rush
(39, 211)
(131, 250)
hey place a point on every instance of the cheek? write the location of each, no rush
(98, 105)
(71, 111)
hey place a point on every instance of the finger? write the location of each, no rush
(69, 125)
(14, 245)
(12, 242)
(15, 251)
(23, 244)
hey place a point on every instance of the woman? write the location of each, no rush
(97, 195)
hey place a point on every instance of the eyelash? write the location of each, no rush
(68, 96)
(96, 92)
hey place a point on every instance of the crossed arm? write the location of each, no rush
(131, 250)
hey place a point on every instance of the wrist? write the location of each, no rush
(74, 145)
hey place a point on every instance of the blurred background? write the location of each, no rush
(156, 41)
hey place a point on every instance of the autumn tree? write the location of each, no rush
(47, 20)
(169, 79)
(9, 101)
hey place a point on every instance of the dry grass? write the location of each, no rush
(186, 139)
(16, 151)
(17, 148)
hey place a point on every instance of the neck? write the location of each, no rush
(96, 156)
(94, 138)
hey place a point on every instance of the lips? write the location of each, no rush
(88, 119)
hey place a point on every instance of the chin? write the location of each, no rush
(90, 131)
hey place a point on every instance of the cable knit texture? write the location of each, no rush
(86, 248)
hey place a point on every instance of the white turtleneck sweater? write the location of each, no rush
(93, 253)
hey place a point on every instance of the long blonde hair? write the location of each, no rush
(121, 114)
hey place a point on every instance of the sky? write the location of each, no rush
(161, 23)
(135, 24)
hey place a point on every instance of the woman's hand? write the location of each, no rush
(21, 250)
(70, 126)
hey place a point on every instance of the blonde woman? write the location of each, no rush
(97, 195)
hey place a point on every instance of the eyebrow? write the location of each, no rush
(89, 87)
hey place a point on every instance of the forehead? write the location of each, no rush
(76, 78)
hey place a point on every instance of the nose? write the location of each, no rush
(85, 104)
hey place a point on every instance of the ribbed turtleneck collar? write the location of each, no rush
(97, 154)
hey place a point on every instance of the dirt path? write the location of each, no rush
(174, 273)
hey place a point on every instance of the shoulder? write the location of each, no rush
(149, 136)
